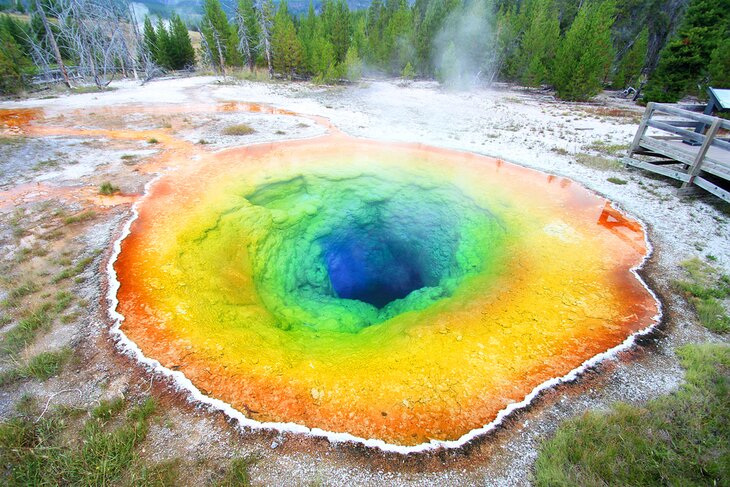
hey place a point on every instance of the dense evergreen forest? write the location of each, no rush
(577, 47)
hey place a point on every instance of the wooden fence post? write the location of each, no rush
(696, 166)
(642, 128)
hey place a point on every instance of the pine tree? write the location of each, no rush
(285, 46)
(150, 39)
(586, 52)
(323, 59)
(359, 38)
(308, 30)
(683, 62)
(537, 49)
(374, 26)
(164, 45)
(512, 22)
(353, 64)
(719, 68)
(408, 72)
(430, 16)
(217, 33)
(631, 65)
(336, 24)
(20, 31)
(180, 52)
(397, 39)
(12, 63)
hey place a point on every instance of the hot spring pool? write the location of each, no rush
(392, 294)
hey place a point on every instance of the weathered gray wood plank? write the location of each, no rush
(698, 117)
(700, 156)
(686, 134)
(712, 188)
(665, 171)
(680, 154)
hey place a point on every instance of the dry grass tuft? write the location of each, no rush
(239, 129)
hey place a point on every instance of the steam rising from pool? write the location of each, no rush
(395, 293)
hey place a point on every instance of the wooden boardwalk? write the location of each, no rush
(684, 145)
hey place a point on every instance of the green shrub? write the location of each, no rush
(108, 188)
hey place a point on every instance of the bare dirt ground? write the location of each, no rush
(56, 233)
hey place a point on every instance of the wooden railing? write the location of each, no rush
(687, 148)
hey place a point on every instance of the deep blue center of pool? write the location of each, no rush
(376, 269)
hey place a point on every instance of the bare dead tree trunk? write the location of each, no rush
(219, 48)
(265, 21)
(40, 57)
(136, 37)
(244, 43)
(93, 30)
(206, 53)
(52, 40)
(142, 54)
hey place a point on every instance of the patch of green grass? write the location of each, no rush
(9, 376)
(47, 364)
(163, 474)
(80, 217)
(77, 269)
(712, 315)
(239, 129)
(597, 162)
(245, 74)
(280, 132)
(85, 89)
(16, 222)
(63, 301)
(49, 163)
(52, 234)
(705, 289)
(70, 318)
(237, 473)
(35, 250)
(108, 189)
(38, 451)
(153, 140)
(11, 140)
(203, 142)
(678, 439)
(15, 296)
(26, 329)
(42, 367)
(699, 272)
(616, 181)
(607, 148)
(106, 410)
